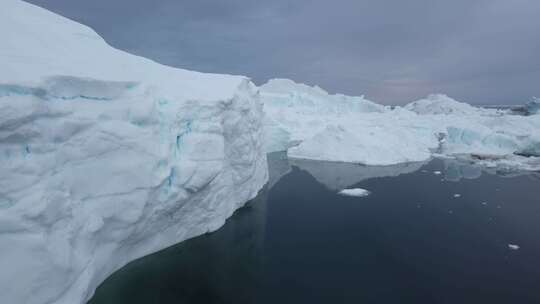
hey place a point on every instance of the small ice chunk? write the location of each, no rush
(513, 247)
(437, 172)
(457, 195)
(354, 192)
(484, 203)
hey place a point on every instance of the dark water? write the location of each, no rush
(410, 241)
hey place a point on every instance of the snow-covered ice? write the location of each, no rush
(442, 104)
(358, 192)
(294, 111)
(311, 124)
(106, 157)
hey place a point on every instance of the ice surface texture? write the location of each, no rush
(312, 124)
(106, 157)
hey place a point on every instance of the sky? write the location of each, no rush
(393, 52)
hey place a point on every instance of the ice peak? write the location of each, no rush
(440, 104)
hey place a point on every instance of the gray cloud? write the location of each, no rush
(479, 51)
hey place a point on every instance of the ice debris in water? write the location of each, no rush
(513, 247)
(457, 195)
(437, 172)
(359, 192)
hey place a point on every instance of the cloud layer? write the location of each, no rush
(479, 51)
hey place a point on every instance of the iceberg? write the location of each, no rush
(106, 157)
(533, 107)
(442, 104)
(296, 111)
(311, 124)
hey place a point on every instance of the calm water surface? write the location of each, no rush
(410, 241)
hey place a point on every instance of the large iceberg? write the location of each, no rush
(312, 124)
(295, 111)
(106, 157)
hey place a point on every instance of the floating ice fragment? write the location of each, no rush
(513, 247)
(457, 195)
(359, 192)
(437, 172)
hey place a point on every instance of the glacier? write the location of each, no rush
(106, 157)
(310, 123)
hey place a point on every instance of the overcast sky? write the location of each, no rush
(478, 51)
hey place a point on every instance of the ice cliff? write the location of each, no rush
(311, 124)
(106, 157)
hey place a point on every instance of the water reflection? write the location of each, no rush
(278, 166)
(409, 242)
(458, 169)
(337, 176)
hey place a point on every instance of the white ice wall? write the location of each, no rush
(106, 157)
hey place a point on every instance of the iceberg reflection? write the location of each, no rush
(337, 175)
